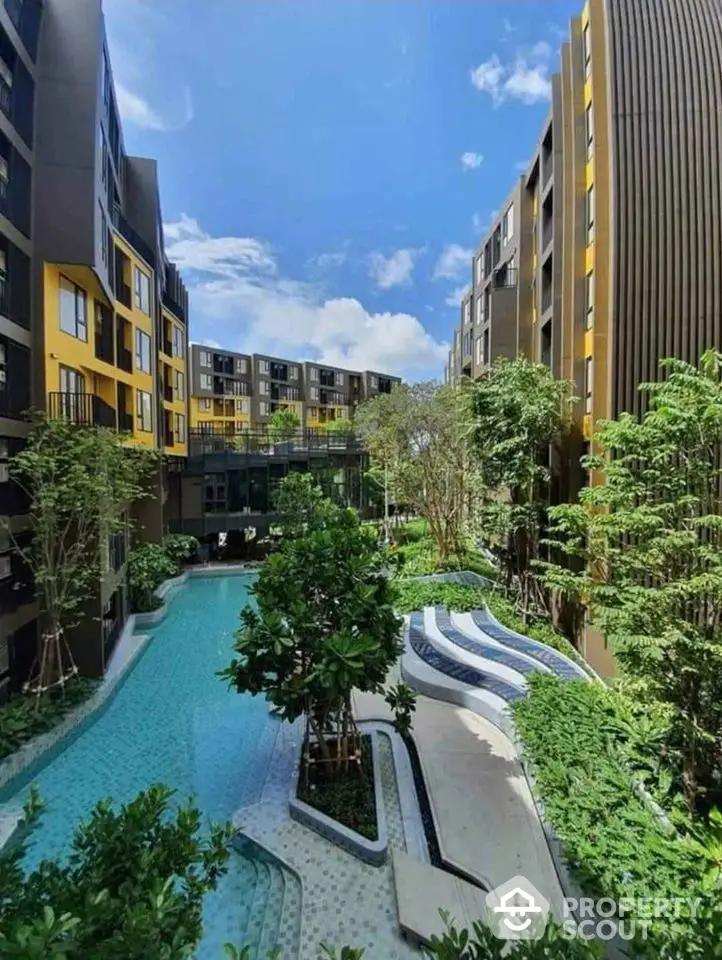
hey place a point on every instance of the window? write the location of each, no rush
(103, 236)
(587, 48)
(204, 358)
(479, 265)
(73, 310)
(204, 405)
(6, 86)
(467, 312)
(480, 310)
(590, 214)
(589, 298)
(106, 79)
(180, 428)
(314, 373)
(374, 382)
(507, 225)
(588, 384)
(314, 393)
(242, 406)
(178, 342)
(142, 291)
(206, 381)
(293, 372)
(263, 387)
(180, 386)
(142, 351)
(263, 367)
(263, 408)
(242, 366)
(479, 342)
(144, 410)
(589, 127)
(4, 177)
(339, 379)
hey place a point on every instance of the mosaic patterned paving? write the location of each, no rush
(452, 668)
(345, 901)
(557, 663)
(486, 650)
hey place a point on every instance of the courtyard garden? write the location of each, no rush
(628, 771)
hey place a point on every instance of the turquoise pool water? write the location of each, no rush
(174, 722)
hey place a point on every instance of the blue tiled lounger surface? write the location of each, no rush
(557, 662)
(452, 668)
(485, 650)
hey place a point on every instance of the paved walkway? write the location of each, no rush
(486, 821)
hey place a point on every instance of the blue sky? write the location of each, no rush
(327, 166)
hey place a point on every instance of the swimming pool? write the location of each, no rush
(174, 722)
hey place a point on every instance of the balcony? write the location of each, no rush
(546, 299)
(167, 347)
(175, 308)
(547, 171)
(133, 238)
(82, 409)
(125, 422)
(168, 392)
(125, 360)
(506, 277)
(169, 438)
(104, 337)
(547, 232)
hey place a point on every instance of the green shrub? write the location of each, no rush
(613, 841)
(411, 532)
(21, 719)
(148, 566)
(180, 548)
(414, 595)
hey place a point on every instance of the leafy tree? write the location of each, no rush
(649, 538)
(301, 504)
(325, 625)
(283, 424)
(341, 426)
(131, 888)
(78, 480)
(418, 436)
(520, 413)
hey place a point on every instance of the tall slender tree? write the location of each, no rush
(649, 538)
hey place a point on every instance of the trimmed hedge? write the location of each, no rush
(412, 595)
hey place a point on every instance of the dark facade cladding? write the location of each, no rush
(665, 77)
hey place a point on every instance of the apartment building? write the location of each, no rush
(19, 35)
(618, 219)
(97, 323)
(232, 392)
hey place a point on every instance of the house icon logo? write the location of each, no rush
(516, 910)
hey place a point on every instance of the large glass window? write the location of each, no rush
(142, 291)
(142, 351)
(178, 342)
(588, 384)
(180, 386)
(180, 428)
(589, 298)
(587, 47)
(205, 358)
(206, 381)
(73, 310)
(507, 225)
(144, 411)
(589, 127)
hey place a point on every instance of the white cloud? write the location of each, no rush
(240, 299)
(137, 110)
(456, 296)
(452, 262)
(525, 78)
(393, 271)
(329, 261)
(471, 160)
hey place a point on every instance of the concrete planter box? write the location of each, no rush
(370, 851)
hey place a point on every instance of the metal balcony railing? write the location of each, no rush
(83, 409)
(132, 236)
(174, 307)
(205, 441)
